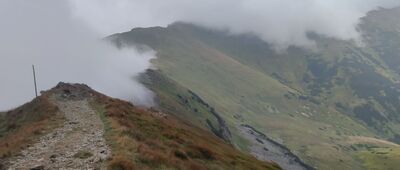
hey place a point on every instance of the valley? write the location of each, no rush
(200, 85)
(310, 101)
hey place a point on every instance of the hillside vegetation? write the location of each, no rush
(312, 101)
(22, 126)
(138, 138)
(153, 140)
(184, 103)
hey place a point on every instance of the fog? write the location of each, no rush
(63, 38)
(281, 22)
(63, 48)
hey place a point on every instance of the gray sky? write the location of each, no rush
(281, 22)
(63, 48)
(62, 38)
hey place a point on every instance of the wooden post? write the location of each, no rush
(34, 79)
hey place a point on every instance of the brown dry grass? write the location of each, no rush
(142, 140)
(121, 163)
(24, 125)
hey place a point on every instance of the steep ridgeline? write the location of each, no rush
(184, 103)
(265, 148)
(83, 129)
(70, 137)
(325, 105)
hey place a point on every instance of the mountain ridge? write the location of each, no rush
(306, 100)
(138, 138)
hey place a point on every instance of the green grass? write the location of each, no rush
(241, 75)
(235, 88)
(381, 158)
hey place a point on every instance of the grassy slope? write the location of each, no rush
(143, 139)
(238, 89)
(328, 75)
(329, 93)
(382, 30)
(381, 158)
(139, 138)
(23, 125)
(185, 104)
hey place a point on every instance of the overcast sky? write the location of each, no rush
(63, 48)
(282, 22)
(62, 37)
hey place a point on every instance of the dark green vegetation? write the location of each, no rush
(322, 104)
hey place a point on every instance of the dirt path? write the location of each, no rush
(79, 144)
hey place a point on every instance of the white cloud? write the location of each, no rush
(282, 22)
(63, 37)
(63, 48)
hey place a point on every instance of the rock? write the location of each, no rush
(99, 160)
(2, 167)
(40, 167)
(82, 130)
(53, 156)
(73, 123)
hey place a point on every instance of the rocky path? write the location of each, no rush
(79, 144)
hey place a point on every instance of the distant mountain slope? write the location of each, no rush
(382, 32)
(312, 101)
(184, 103)
(138, 138)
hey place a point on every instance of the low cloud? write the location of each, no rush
(281, 22)
(63, 48)
(63, 38)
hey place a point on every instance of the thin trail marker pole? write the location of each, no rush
(34, 79)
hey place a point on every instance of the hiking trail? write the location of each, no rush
(78, 144)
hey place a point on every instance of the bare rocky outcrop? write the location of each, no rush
(264, 148)
(221, 129)
(78, 144)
